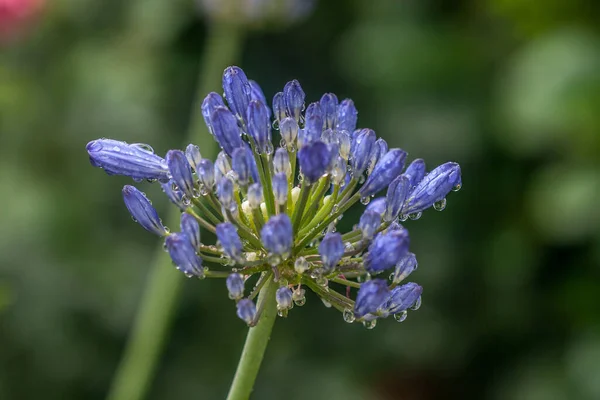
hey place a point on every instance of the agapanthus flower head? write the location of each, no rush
(275, 211)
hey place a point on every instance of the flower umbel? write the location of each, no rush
(275, 212)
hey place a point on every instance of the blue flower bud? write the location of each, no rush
(176, 196)
(255, 195)
(279, 106)
(189, 225)
(397, 193)
(134, 160)
(369, 223)
(386, 170)
(314, 160)
(283, 296)
(259, 125)
(379, 149)
(222, 166)
(206, 174)
(345, 143)
(415, 172)
(293, 97)
(241, 162)
(226, 130)
(289, 131)
(314, 123)
(230, 240)
(434, 187)
(329, 137)
(361, 150)
(281, 162)
(329, 104)
(142, 211)
(246, 310)
(331, 250)
(192, 153)
(378, 205)
(256, 93)
(181, 171)
(280, 188)
(225, 193)
(370, 296)
(338, 170)
(277, 235)
(386, 250)
(405, 267)
(184, 255)
(209, 105)
(346, 116)
(237, 90)
(235, 286)
(402, 297)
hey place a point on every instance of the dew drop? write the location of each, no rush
(195, 193)
(133, 219)
(326, 303)
(415, 216)
(167, 230)
(321, 281)
(185, 200)
(188, 274)
(457, 187)
(417, 304)
(439, 205)
(403, 217)
(401, 316)
(300, 301)
(117, 149)
(370, 324)
(349, 316)
(276, 125)
(365, 200)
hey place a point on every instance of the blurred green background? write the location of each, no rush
(510, 89)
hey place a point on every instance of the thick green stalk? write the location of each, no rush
(152, 322)
(255, 346)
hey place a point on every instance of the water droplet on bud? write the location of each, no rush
(417, 304)
(365, 200)
(370, 324)
(349, 316)
(439, 205)
(415, 216)
(401, 316)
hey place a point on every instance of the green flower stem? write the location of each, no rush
(299, 208)
(268, 191)
(255, 346)
(134, 373)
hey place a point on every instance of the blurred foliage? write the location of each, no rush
(509, 89)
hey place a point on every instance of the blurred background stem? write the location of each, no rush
(151, 326)
(255, 346)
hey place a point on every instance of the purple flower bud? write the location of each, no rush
(255, 195)
(192, 153)
(209, 105)
(361, 150)
(289, 131)
(402, 297)
(329, 104)
(379, 149)
(176, 196)
(184, 255)
(370, 296)
(386, 250)
(386, 170)
(279, 106)
(226, 130)
(283, 296)
(222, 166)
(314, 160)
(415, 171)
(256, 93)
(377, 205)
(345, 143)
(405, 267)
(246, 310)
(314, 123)
(235, 286)
(225, 193)
(331, 250)
(206, 173)
(396, 196)
(237, 90)
(181, 171)
(293, 97)
(434, 187)
(280, 188)
(259, 126)
(281, 162)
(338, 170)
(229, 240)
(142, 211)
(134, 160)
(241, 161)
(346, 116)
(277, 235)
(369, 223)
(189, 226)
(329, 137)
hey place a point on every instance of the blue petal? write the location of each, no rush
(142, 211)
(387, 169)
